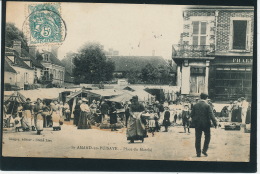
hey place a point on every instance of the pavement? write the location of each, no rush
(176, 145)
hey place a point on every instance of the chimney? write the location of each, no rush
(54, 50)
(32, 51)
(17, 46)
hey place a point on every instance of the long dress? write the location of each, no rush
(28, 119)
(135, 127)
(56, 116)
(113, 115)
(239, 113)
(244, 111)
(38, 116)
(84, 117)
(234, 113)
(76, 114)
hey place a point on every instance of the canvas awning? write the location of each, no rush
(17, 96)
(82, 91)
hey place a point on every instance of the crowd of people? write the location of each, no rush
(138, 117)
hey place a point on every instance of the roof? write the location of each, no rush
(8, 68)
(36, 63)
(53, 58)
(125, 63)
(18, 61)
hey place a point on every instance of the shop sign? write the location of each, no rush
(241, 60)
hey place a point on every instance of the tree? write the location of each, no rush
(91, 65)
(67, 61)
(159, 74)
(13, 33)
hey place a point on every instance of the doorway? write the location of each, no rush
(197, 84)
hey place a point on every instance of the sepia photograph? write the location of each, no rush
(127, 81)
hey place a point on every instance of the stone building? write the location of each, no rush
(215, 52)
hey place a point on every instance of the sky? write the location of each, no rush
(131, 29)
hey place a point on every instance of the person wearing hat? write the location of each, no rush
(186, 118)
(28, 118)
(38, 109)
(113, 117)
(166, 120)
(202, 115)
(76, 113)
(84, 115)
(135, 127)
(127, 112)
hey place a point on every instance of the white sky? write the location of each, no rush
(118, 26)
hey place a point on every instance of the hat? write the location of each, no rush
(135, 97)
(28, 99)
(84, 100)
(157, 101)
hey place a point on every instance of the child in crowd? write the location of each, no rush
(186, 119)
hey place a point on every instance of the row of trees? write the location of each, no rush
(90, 65)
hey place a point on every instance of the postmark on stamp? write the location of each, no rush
(44, 24)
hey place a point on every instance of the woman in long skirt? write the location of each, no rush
(38, 116)
(113, 117)
(84, 115)
(135, 127)
(56, 115)
(27, 121)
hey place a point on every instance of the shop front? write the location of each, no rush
(230, 78)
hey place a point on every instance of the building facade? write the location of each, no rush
(22, 74)
(215, 52)
(54, 70)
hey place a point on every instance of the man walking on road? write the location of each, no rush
(201, 115)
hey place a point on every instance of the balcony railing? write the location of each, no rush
(192, 50)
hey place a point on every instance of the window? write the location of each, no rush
(46, 57)
(199, 33)
(240, 33)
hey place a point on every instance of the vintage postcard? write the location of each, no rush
(127, 81)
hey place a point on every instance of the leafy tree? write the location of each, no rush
(133, 76)
(91, 65)
(159, 74)
(13, 33)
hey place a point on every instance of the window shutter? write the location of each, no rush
(203, 40)
(195, 40)
(203, 28)
(195, 27)
(248, 34)
(231, 35)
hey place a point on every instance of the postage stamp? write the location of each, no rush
(44, 24)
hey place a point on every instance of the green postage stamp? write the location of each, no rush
(44, 24)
